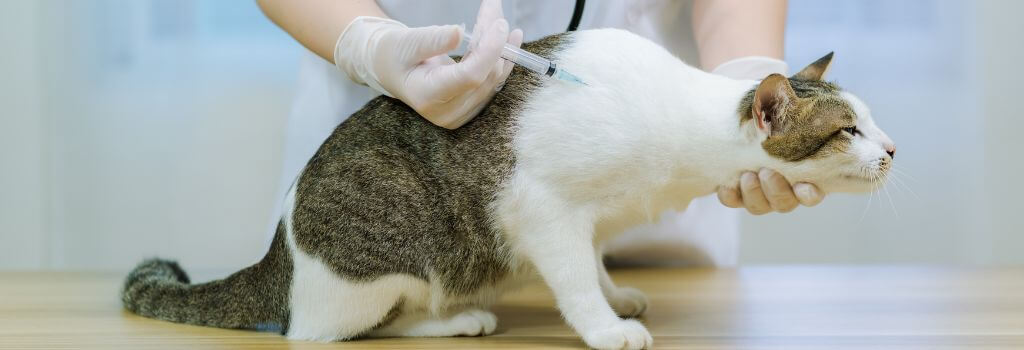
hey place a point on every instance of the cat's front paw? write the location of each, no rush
(624, 334)
(628, 302)
(475, 322)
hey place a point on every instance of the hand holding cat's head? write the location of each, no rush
(820, 133)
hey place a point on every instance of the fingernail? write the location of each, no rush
(800, 191)
(804, 190)
(765, 173)
(748, 176)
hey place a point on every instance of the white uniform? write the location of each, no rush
(705, 234)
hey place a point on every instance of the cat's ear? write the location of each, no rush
(772, 99)
(816, 70)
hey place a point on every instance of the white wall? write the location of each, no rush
(913, 64)
(154, 127)
(1000, 55)
(138, 129)
(23, 144)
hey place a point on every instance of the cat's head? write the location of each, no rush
(817, 132)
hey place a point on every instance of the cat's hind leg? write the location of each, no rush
(470, 322)
(327, 307)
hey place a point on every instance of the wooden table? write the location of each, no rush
(749, 308)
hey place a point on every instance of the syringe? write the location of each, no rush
(530, 61)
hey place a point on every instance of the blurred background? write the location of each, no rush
(131, 129)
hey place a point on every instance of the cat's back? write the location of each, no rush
(388, 137)
(406, 196)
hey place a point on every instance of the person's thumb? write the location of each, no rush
(474, 68)
(426, 42)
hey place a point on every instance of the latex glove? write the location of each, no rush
(767, 190)
(412, 65)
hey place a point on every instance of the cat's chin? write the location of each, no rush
(851, 183)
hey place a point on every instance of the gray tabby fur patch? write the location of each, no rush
(387, 193)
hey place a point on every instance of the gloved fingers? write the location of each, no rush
(473, 70)
(502, 68)
(427, 42)
(777, 190)
(451, 114)
(490, 11)
(500, 72)
(439, 60)
(454, 110)
(497, 76)
(515, 38)
(730, 197)
(487, 53)
(753, 196)
(471, 106)
(439, 100)
(463, 108)
(808, 194)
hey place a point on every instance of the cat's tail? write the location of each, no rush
(254, 298)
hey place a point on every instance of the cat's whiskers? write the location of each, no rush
(904, 173)
(867, 205)
(882, 183)
(897, 185)
(903, 187)
(871, 195)
(898, 179)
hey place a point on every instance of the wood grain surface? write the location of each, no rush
(785, 307)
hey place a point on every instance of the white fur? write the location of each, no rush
(869, 148)
(326, 307)
(649, 133)
(471, 322)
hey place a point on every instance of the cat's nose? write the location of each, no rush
(891, 150)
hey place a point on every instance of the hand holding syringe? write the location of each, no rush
(532, 62)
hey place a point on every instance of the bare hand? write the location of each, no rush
(768, 191)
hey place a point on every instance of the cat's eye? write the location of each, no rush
(852, 130)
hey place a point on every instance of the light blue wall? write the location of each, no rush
(160, 130)
(913, 63)
(136, 128)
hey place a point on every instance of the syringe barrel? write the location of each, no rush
(521, 57)
(526, 59)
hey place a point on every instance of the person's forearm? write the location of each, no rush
(316, 24)
(730, 29)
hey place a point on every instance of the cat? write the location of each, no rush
(397, 227)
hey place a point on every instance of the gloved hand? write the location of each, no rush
(412, 65)
(767, 190)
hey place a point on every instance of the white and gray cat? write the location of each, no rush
(400, 228)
